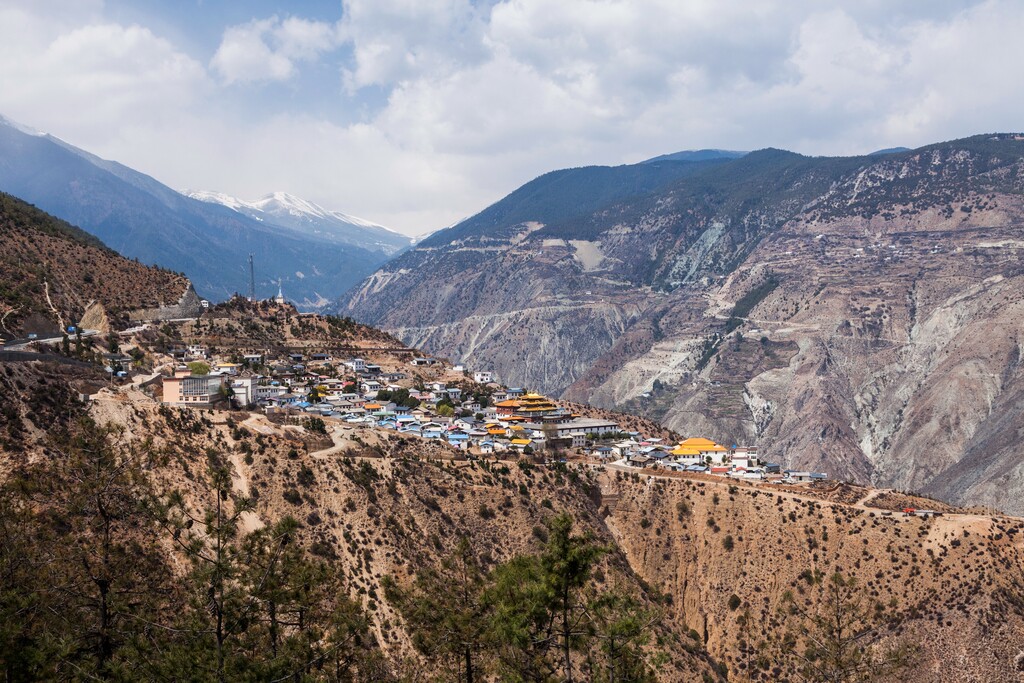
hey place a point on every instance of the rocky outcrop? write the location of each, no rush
(95, 318)
(188, 306)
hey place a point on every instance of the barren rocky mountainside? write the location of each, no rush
(51, 273)
(733, 569)
(854, 315)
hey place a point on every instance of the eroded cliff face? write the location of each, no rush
(525, 310)
(894, 356)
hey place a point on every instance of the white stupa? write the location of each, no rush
(280, 295)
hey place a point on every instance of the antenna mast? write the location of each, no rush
(252, 280)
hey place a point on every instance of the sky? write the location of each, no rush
(418, 113)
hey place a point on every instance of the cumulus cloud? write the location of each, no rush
(77, 75)
(269, 49)
(424, 111)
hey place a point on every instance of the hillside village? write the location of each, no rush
(399, 390)
(266, 357)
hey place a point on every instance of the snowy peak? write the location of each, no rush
(287, 211)
(4, 121)
(277, 202)
(218, 198)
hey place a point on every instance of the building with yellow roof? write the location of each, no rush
(703, 448)
(506, 408)
(535, 405)
(698, 443)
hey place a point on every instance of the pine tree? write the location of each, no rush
(542, 604)
(623, 627)
(26, 652)
(208, 538)
(840, 642)
(446, 613)
(104, 568)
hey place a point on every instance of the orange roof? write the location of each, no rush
(521, 442)
(373, 406)
(510, 403)
(697, 442)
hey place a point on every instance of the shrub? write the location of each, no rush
(305, 477)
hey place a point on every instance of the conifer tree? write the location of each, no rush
(840, 641)
(447, 615)
(103, 569)
(208, 538)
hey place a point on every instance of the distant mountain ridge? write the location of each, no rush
(698, 155)
(853, 315)
(889, 150)
(294, 213)
(142, 218)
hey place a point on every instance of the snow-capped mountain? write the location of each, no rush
(294, 213)
(142, 218)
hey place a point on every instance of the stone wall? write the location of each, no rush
(188, 306)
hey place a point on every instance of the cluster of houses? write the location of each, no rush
(703, 456)
(499, 420)
(505, 419)
(515, 421)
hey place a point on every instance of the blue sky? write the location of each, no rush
(416, 113)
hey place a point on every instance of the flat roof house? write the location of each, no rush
(192, 390)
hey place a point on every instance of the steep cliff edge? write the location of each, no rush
(734, 557)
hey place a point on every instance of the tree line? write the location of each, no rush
(104, 578)
(537, 617)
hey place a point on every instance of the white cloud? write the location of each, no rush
(452, 104)
(80, 80)
(399, 40)
(268, 49)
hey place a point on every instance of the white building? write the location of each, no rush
(483, 377)
(243, 390)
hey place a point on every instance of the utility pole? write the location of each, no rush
(252, 280)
